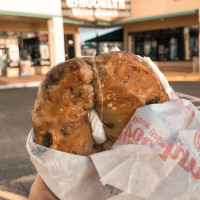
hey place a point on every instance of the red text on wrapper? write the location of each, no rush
(180, 101)
(140, 121)
(157, 138)
(137, 136)
(197, 140)
(178, 150)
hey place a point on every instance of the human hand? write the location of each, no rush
(40, 191)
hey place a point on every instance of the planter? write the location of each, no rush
(12, 72)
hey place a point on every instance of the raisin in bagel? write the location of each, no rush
(115, 84)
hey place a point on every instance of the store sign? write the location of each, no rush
(43, 38)
(107, 10)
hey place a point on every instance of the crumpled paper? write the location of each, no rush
(68, 176)
(157, 156)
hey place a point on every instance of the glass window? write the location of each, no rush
(161, 45)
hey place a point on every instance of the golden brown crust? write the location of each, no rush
(127, 83)
(115, 84)
(59, 116)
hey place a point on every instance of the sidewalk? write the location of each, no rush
(34, 81)
(182, 76)
(20, 82)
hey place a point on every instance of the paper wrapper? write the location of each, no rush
(157, 156)
(69, 176)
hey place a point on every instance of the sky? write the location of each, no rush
(89, 33)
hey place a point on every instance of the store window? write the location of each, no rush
(23, 50)
(161, 45)
(34, 47)
(95, 41)
(9, 51)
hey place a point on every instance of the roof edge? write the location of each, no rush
(84, 22)
(176, 14)
(27, 14)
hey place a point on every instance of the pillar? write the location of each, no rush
(130, 43)
(77, 44)
(186, 32)
(56, 40)
(125, 39)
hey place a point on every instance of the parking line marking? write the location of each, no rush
(28, 178)
(11, 196)
(20, 85)
(193, 99)
(188, 96)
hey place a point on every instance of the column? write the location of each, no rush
(130, 44)
(77, 44)
(186, 32)
(56, 40)
(125, 39)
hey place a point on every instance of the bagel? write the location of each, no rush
(114, 84)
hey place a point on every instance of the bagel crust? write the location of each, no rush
(64, 99)
(115, 84)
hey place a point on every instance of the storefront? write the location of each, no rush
(33, 37)
(45, 33)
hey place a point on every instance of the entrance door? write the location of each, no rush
(69, 46)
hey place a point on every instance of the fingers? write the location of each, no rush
(40, 191)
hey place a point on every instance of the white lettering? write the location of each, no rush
(82, 4)
(109, 4)
(122, 4)
(75, 3)
(89, 3)
(97, 8)
(96, 3)
(69, 3)
(103, 4)
(82, 12)
(105, 13)
(115, 4)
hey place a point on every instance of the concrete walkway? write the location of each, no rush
(182, 76)
(20, 82)
(20, 79)
(34, 81)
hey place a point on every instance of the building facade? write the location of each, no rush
(46, 32)
(167, 31)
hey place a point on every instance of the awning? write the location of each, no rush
(115, 36)
(154, 17)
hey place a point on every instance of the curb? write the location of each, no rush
(20, 85)
(185, 78)
(11, 196)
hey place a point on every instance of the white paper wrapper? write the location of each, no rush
(157, 156)
(69, 176)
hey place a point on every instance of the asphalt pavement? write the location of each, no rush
(16, 171)
(190, 88)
